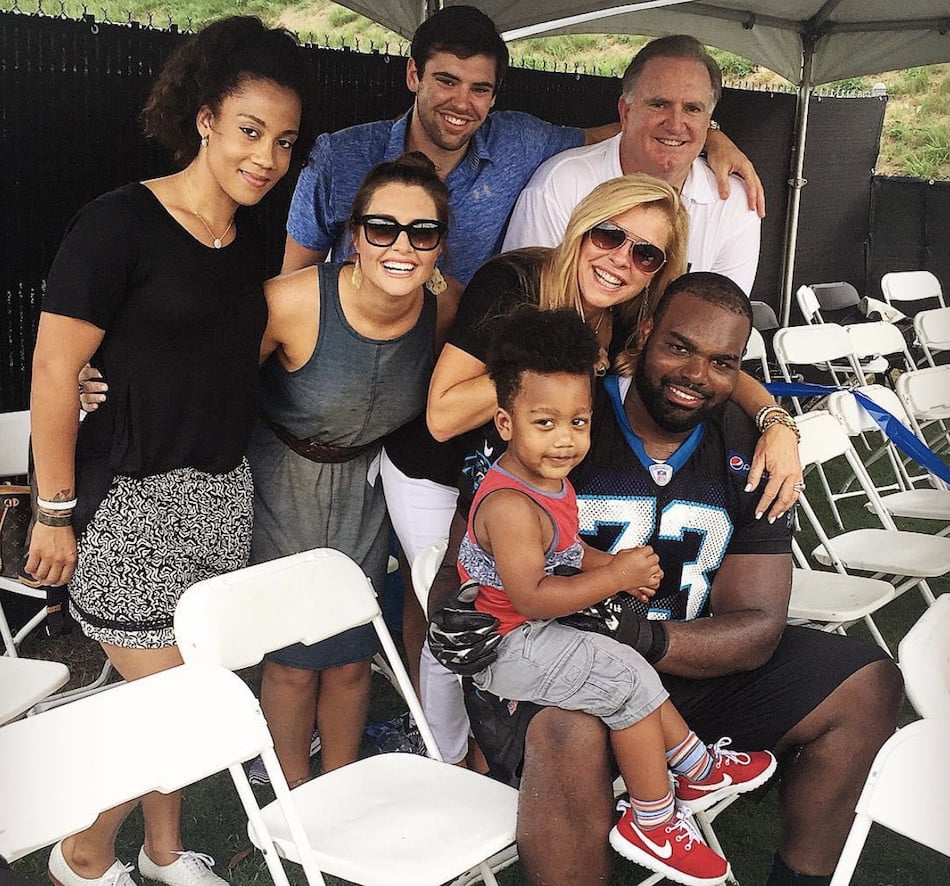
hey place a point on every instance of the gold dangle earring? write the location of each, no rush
(436, 283)
(357, 276)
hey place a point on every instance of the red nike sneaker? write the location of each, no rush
(734, 772)
(675, 850)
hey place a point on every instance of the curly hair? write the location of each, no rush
(209, 66)
(545, 342)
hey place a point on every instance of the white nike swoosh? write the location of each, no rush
(489, 450)
(664, 851)
(724, 782)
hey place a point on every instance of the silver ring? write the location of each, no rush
(799, 487)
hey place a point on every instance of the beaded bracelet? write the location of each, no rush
(765, 410)
(785, 420)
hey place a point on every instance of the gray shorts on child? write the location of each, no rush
(553, 664)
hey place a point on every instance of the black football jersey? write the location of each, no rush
(692, 508)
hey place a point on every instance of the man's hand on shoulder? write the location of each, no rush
(725, 159)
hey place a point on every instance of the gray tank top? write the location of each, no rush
(353, 390)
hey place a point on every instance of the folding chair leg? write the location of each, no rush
(848, 860)
(831, 499)
(876, 634)
(8, 645)
(97, 685)
(926, 593)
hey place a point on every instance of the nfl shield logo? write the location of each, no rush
(661, 473)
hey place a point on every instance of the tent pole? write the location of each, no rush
(796, 183)
(429, 8)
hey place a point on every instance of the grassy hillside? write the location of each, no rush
(916, 139)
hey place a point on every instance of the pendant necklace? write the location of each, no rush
(217, 242)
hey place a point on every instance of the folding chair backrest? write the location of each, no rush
(808, 305)
(924, 656)
(905, 792)
(425, 568)
(61, 768)
(823, 438)
(836, 296)
(933, 331)
(810, 345)
(924, 390)
(755, 350)
(878, 337)
(911, 286)
(234, 619)
(855, 419)
(14, 443)
(763, 316)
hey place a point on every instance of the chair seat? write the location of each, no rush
(25, 681)
(832, 597)
(920, 504)
(398, 820)
(890, 552)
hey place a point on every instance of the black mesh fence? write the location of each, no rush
(71, 92)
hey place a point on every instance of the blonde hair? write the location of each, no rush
(559, 286)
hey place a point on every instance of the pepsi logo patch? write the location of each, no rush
(738, 464)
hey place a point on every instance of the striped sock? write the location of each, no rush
(690, 758)
(650, 814)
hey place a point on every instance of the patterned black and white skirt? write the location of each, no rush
(148, 541)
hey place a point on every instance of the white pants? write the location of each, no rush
(421, 512)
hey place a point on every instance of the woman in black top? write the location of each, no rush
(157, 284)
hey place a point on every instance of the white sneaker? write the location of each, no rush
(257, 774)
(63, 875)
(191, 869)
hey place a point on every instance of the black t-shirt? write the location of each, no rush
(183, 324)
(701, 514)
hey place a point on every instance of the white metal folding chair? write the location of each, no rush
(925, 394)
(60, 769)
(924, 657)
(879, 339)
(755, 350)
(389, 819)
(906, 559)
(830, 601)
(818, 347)
(906, 791)
(903, 286)
(808, 305)
(14, 462)
(932, 329)
(907, 501)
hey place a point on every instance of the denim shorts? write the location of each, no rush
(549, 663)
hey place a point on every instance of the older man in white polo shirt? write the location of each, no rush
(669, 92)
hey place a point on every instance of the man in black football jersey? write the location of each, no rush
(667, 467)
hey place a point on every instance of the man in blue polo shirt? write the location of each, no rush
(457, 63)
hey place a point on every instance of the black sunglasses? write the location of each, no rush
(425, 234)
(647, 257)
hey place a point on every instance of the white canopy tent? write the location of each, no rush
(809, 42)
